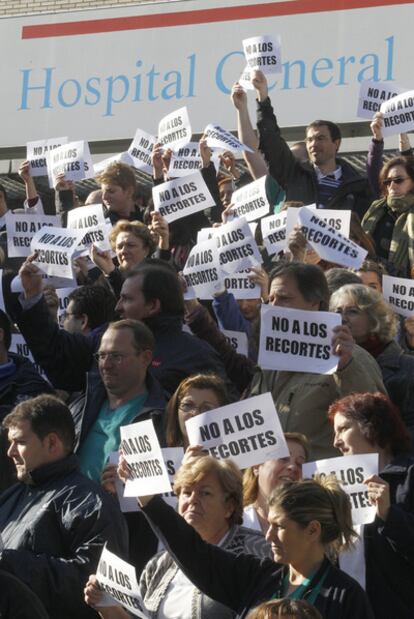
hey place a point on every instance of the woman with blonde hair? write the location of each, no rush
(373, 325)
(260, 480)
(307, 519)
(285, 609)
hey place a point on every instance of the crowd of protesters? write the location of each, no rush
(132, 345)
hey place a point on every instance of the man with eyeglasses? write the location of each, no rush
(325, 180)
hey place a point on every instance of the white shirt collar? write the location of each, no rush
(337, 173)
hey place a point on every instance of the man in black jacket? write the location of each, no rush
(54, 521)
(325, 180)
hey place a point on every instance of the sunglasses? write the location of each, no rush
(397, 180)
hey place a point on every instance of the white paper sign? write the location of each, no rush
(236, 246)
(238, 341)
(142, 451)
(182, 196)
(2, 306)
(73, 160)
(399, 293)
(297, 341)
(251, 200)
(331, 245)
(21, 228)
(398, 114)
(91, 220)
(36, 154)
(55, 282)
(350, 472)
(208, 233)
(187, 159)
(140, 150)
(174, 130)
(202, 270)
(274, 232)
(118, 580)
(241, 286)
(63, 296)
(217, 137)
(263, 53)
(373, 94)
(248, 432)
(120, 157)
(55, 247)
(18, 345)
(173, 457)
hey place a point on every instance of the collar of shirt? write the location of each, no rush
(337, 174)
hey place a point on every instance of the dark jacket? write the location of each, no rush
(398, 375)
(17, 601)
(244, 581)
(25, 383)
(85, 407)
(389, 546)
(299, 178)
(54, 530)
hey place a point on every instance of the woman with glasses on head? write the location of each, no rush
(382, 559)
(390, 220)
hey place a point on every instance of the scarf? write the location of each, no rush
(401, 253)
(373, 345)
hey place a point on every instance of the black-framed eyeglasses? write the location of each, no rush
(398, 180)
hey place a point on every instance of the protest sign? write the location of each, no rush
(36, 154)
(207, 233)
(21, 228)
(120, 157)
(118, 580)
(339, 220)
(142, 451)
(217, 137)
(91, 220)
(173, 457)
(18, 345)
(350, 471)
(251, 200)
(373, 94)
(399, 293)
(48, 280)
(274, 232)
(237, 340)
(174, 130)
(248, 432)
(331, 245)
(241, 286)
(263, 53)
(236, 246)
(63, 296)
(187, 159)
(202, 270)
(2, 306)
(140, 150)
(73, 160)
(297, 341)
(55, 248)
(398, 114)
(181, 197)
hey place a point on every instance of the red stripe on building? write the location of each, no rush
(205, 16)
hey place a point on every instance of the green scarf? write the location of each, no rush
(402, 243)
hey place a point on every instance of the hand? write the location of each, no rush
(376, 125)
(259, 276)
(297, 244)
(81, 266)
(160, 227)
(61, 184)
(31, 277)
(24, 171)
(227, 214)
(166, 160)
(343, 345)
(379, 495)
(193, 452)
(228, 160)
(259, 82)
(238, 96)
(108, 478)
(205, 152)
(157, 162)
(52, 301)
(92, 594)
(102, 259)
